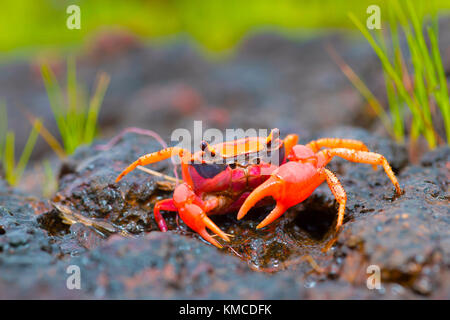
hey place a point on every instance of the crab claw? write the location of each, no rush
(289, 185)
(197, 220)
(191, 212)
(269, 188)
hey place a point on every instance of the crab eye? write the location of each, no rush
(205, 146)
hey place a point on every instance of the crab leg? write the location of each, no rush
(316, 145)
(166, 205)
(338, 192)
(155, 157)
(361, 157)
(289, 142)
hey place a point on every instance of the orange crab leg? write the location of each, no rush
(289, 142)
(158, 156)
(361, 157)
(316, 145)
(339, 193)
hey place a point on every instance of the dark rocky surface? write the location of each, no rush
(113, 239)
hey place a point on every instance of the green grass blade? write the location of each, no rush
(431, 76)
(389, 69)
(72, 112)
(94, 107)
(28, 149)
(422, 96)
(56, 100)
(443, 99)
(76, 116)
(9, 158)
(421, 123)
(3, 128)
(423, 70)
(77, 121)
(396, 109)
(395, 105)
(51, 183)
(47, 136)
(71, 85)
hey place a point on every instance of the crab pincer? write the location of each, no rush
(191, 209)
(289, 185)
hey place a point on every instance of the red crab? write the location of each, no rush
(216, 182)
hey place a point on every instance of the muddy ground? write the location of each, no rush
(107, 229)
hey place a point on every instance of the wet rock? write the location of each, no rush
(407, 236)
(170, 266)
(166, 265)
(90, 189)
(22, 242)
(108, 231)
(26, 250)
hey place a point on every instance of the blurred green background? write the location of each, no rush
(215, 25)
